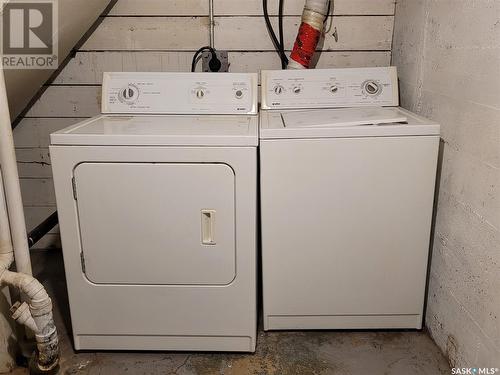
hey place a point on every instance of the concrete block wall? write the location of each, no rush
(448, 55)
(161, 35)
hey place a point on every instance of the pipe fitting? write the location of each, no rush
(314, 18)
(47, 354)
(37, 316)
(21, 314)
(310, 30)
(41, 307)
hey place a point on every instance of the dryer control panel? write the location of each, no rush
(330, 88)
(179, 93)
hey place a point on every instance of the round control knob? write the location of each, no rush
(239, 94)
(129, 94)
(296, 89)
(200, 93)
(372, 88)
(334, 89)
(278, 90)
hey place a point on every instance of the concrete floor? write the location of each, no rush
(278, 353)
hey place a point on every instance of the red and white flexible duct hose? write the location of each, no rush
(310, 30)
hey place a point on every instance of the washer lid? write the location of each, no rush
(198, 130)
(342, 118)
(348, 122)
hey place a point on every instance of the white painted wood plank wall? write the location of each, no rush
(161, 35)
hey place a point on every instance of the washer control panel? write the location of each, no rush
(179, 93)
(330, 88)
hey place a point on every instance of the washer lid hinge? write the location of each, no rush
(73, 183)
(82, 259)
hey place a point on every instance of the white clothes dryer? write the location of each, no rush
(157, 205)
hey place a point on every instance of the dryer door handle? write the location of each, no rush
(208, 227)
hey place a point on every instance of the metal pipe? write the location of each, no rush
(12, 187)
(212, 23)
(42, 229)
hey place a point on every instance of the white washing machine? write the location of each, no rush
(157, 206)
(347, 200)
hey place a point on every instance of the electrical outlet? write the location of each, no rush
(221, 55)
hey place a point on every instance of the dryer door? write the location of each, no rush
(156, 223)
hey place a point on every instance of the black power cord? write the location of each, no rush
(277, 45)
(284, 62)
(214, 64)
(328, 11)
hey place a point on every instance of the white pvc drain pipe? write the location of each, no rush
(36, 312)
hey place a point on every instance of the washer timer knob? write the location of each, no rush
(372, 88)
(296, 89)
(334, 89)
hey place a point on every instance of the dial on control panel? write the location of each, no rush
(129, 94)
(372, 88)
(200, 93)
(278, 89)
